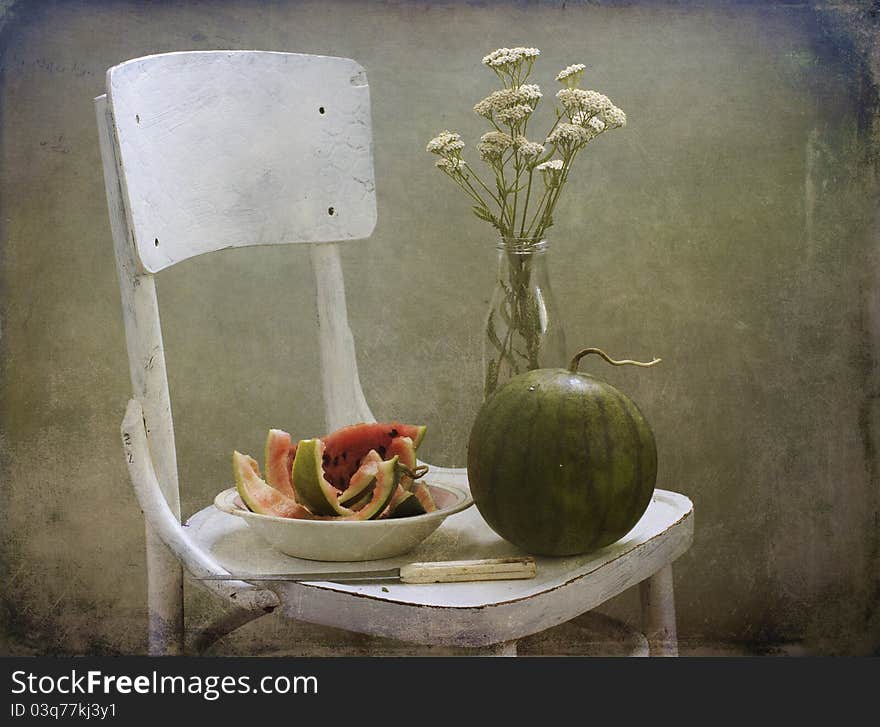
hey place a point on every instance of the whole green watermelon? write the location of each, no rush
(561, 462)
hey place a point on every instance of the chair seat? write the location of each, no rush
(464, 614)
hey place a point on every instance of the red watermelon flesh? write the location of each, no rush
(345, 448)
(417, 501)
(260, 497)
(361, 482)
(404, 448)
(423, 494)
(278, 461)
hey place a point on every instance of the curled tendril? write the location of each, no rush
(573, 366)
(414, 474)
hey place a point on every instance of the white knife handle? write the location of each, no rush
(489, 569)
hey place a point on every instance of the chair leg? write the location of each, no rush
(164, 598)
(505, 648)
(658, 613)
(223, 625)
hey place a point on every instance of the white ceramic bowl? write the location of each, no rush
(348, 540)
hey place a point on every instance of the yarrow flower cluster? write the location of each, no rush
(505, 57)
(571, 75)
(568, 135)
(582, 118)
(526, 95)
(529, 149)
(551, 171)
(493, 102)
(448, 146)
(615, 118)
(514, 115)
(452, 166)
(577, 99)
(445, 143)
(554, 165)
(493, 144)
(591, 109)
(514, 160)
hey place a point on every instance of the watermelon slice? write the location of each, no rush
(364, 498)
(418, 501)
(312, 486)
(278, 460)
(400, 496)
(359, 472)
(387, 478)
(322, 499)
(345, 449)
(361, 481)
(259, 496)
(405, 450)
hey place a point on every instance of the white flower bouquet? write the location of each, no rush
(512, 158)
(520, 202)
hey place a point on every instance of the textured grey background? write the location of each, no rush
(731, 228)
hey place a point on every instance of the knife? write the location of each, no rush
(444, 571)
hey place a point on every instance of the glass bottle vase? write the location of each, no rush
(523, 327)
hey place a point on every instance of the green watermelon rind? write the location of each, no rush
(419, 436)
(387, 478)
(312, 488)
(408, 506)
(361, 500)
(405, 449)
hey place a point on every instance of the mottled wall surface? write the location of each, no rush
(731, 228)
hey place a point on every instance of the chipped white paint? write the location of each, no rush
(208, 150)
(231, 148)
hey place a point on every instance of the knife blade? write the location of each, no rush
(448, 571)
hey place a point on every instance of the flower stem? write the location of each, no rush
(526, 205)
(528, 232)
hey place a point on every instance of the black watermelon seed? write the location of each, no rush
(336, 461)
(326, 459)
(394, 433)
(382, 452)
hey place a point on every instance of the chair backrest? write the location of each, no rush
(208, 150)
(230, 148)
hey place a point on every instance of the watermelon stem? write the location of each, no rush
(573, 366)
(414, 474)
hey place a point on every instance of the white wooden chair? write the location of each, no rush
(208, 150)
